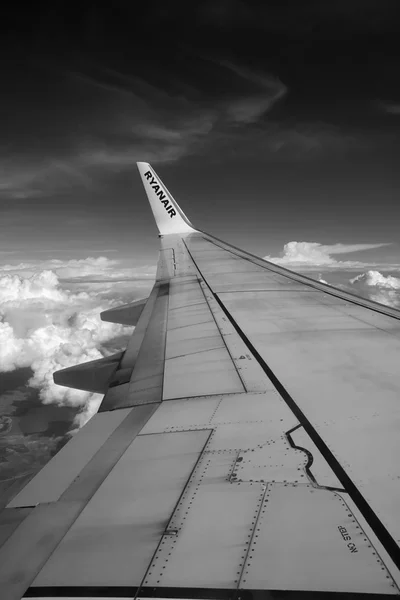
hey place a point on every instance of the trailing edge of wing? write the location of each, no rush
(169, 217)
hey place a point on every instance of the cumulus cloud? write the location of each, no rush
(311, 254)
(47, 327)
(384, 289)
(375, 278)
(321, 280)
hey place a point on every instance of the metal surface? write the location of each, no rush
(233, 417)
(194, 340)
(116, 396)
(181, 262)
(197, 361)
(271, 460)
(184, 293)
(97, 469)
(189, 338)
(128, 314)
(28, 548)
(165, 267)
(268, 408)
(376, 319)
(306, 539)
(54, 478)
(113, 540)
(370, 535)
(132, 351)
(252, 375)
(93, 376)
(183, 414)
(200, 374)
(146, 381)
(189, 315)
(345, 380)
(32, 542)
(248, 280)
(213, 522)
(319, 468)
(10, 518)
(247, 435)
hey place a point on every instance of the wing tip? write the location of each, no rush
(168, 215)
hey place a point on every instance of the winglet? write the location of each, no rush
(169, 217)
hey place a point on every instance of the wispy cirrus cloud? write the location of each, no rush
(109, 123)
(250, 107)
(112, 120)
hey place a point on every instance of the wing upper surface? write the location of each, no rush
(252, 446)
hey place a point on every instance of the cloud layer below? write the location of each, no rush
(90, 268)
(48, 327)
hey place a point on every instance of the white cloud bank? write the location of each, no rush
(312, 254)
(372, 285)
(100, 268)
(47, 327)
(378, 287)
(375, 278)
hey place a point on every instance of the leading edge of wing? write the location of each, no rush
(171, 219)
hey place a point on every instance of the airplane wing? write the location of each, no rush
(247, 445)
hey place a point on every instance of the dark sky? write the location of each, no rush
(269, 121)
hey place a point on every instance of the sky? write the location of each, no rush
(274, 124)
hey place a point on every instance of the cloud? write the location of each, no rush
(87, 269)
(375, 278)
(140, 139)
(292, 142)
(391, 108)
(47, 327)
(311, 254)
(113, 120)
(251, 107)
(24, 177)
(25, 455)
(321, 280)
(110, 122)
(378, 287)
